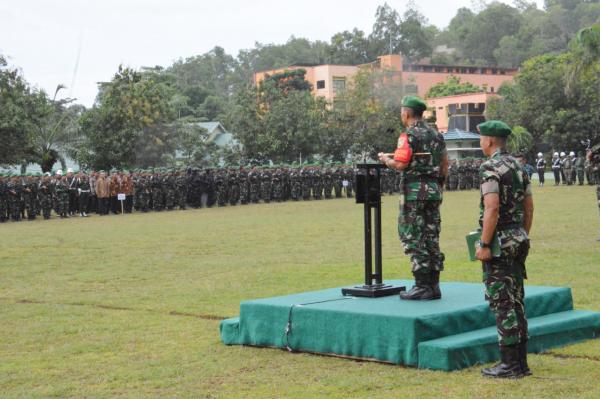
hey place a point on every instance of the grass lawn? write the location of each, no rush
(129, 306)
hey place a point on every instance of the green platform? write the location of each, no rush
(452, 333)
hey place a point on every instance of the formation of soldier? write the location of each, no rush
(79, 194)
(463, 174)
(570, 169)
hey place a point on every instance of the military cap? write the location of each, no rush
(414, 103)
(494, 129)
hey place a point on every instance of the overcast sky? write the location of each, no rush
(43, 37)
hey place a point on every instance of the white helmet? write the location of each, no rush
(70, 170)
(572, 154)
(59, 172)
(562, 154)
(540, 155)
(555, 154)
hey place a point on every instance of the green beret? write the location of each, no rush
(415, 103)
(494, 129)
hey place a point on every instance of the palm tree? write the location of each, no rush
(519, 140)
(53, 130)
(586, 53)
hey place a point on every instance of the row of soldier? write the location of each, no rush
(79, 193)
(463, 174)
(569, 170)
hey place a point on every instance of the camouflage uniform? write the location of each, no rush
(327, 184)
(453, 176)
(61, 189)
(503, 276)
(594, 159)
(337, 182)
(317, 184)
(157, 193)
(306, 184)
(589, 171)
(46, 192)
(462, 175)
(568, 170)
(169, 188)
(296, 182)
(233, 183)
(278, 186)
(419, 219)
(348, 176)
(14, 188)
(244, 187)
(30, 198)
(181, 191)
(265, 186)
(580, 168)
(254, 183)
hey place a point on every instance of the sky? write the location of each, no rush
(81, 42)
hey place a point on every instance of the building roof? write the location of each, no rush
(460, 135)
(211, 126)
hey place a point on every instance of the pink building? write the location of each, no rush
(417, 78)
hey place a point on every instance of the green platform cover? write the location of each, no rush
(384, 329)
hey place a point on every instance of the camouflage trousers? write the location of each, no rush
(46, 205)
(419, 226)
(3, 209)
(503, 278)
(63, 204)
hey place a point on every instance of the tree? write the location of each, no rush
(280, 120)
(487, 29)
(417, 39)
(452, 87)
(385, 37)
(365, 119)
(192, 142)
(54, 130)
(520, 140)
(586, 49)
(538, 102)
(15, 107)
(349, 48)
(130, 123)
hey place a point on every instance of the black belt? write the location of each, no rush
(423, 178)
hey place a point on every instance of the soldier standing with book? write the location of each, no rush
(506, 211)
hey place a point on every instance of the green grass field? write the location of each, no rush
(129, 306)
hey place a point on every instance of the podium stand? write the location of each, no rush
(368, 192)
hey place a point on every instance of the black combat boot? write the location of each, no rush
(523, 357)
(422, 290)
(435, 284)
(509, 366)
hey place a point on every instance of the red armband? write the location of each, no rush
(403, 153)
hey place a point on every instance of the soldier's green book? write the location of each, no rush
(473, 242)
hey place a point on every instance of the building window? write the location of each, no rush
(411, 89)
(320, 84)
(339, 84)
(492, 89)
